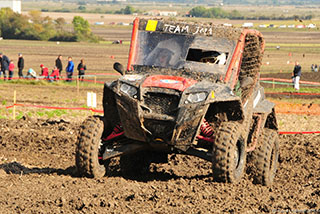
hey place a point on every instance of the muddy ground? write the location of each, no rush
(37, 175)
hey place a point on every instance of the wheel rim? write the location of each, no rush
(236, 158)
(100, 161)
(273, 162)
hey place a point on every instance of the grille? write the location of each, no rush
(161, 103)
(162, 129)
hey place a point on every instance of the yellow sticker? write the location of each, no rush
(151, 25)
(212, 95)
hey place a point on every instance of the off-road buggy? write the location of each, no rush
(188, 89)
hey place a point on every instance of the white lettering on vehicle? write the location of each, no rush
(186, 29)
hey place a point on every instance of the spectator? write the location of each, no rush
(59, 64)
(69, 69)
(11, 69)
(81, 68)
(20, 65)
(312, 67)
(4, 65)
(315, 68)
(31, 74)
(55, 74)
(296, 74)
(44, 72)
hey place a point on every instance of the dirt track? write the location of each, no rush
(37, 175)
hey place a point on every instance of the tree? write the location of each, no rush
(127, 10)
(81, 27)
(60, 23)
(198, 11)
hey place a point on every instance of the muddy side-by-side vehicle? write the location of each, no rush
(190, 89)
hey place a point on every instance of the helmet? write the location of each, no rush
(169, 48)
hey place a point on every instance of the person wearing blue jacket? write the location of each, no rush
(69, 69)
(4, 61)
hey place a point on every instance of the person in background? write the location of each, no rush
(44, 72)
(69, 69)
(55, 74)
(59, 64)
(316, 68)
(4, 65)
(81, 68)
(31, 74)
(312, 67)
(11, 70)
(20, 65)
(296, 74)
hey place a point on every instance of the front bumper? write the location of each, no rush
(159, 118)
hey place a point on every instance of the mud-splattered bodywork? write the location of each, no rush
(165, 102)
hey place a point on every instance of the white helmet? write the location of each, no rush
(168, 47)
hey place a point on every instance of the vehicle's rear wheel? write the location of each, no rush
(229, 153)
(264, 159)
(88, 146)
(135, 164)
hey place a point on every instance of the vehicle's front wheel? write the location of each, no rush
(229, 153)
(265, 158)
(88, 146)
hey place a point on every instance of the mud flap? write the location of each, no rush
(188, 124)
(264, 107)
(131, 119)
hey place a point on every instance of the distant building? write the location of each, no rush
(15, 5)
(109, 1)
(168, 13)
(247, 24)
(161, 13)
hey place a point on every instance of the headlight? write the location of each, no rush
(197, 97)
(129, 90)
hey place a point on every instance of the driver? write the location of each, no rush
(163, 58)
(166, 53)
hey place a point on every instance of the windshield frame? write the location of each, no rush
(143, 45)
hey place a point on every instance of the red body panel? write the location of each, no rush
(133, 43)
(172, 82)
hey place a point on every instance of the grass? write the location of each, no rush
(292, 45)
(57, 113)
(295, 100)
(110, 42)
(302, 90)
(46, 83)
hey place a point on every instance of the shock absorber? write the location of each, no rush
(118, 129)
(206, 129)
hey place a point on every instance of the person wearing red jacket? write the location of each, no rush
(11, 69)
(55, 74)
(44, 72)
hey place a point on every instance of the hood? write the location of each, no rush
(171, 82)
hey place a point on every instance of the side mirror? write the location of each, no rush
(118, 67)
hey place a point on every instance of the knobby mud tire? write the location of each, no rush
(228, 141)
(87, 150)
(265, 158)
